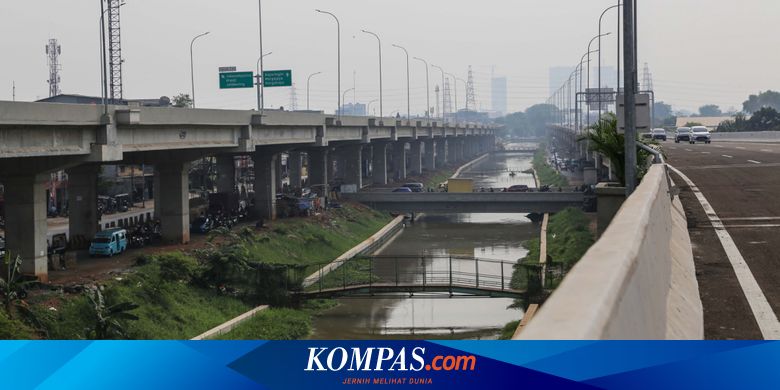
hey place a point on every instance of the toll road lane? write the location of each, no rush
(744, 194)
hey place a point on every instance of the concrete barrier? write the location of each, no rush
(229, 325)
(637, 282)
(748, 136)
(469, 165)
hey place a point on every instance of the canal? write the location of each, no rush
(486, 236)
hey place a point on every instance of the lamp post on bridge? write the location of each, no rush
(344, 99)
(442, 90)
(380, 69)
(338, 39)
(600, 18)
(588, 77)
(408, 85)
(427, 89)
(308, 82)
(192, 65)
(259, 83)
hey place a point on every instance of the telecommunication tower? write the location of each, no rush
(471, 97)
(293, 98)
(115, 49)
(447, 97)
(53, 51)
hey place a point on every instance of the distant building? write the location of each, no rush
(82, 99)
(711, 122)
(356, 109)
(498, 89)
(558, 75)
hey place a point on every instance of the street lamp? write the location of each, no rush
(427, 88)
(260, 81)
(600, 18)
(408, 86)
(368, 107)
(578, 86)
(442, 90)
(338, 39)
(344, 99)
(380, 69)
(259, 77)
(588, 87)
(308, 81)
(192, 66)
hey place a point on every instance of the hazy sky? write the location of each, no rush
(699, 51)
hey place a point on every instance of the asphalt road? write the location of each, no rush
(741, 181)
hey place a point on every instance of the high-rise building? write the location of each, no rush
(498, 90)
(558, 76)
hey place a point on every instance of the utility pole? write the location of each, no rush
(293, 98)
(53, 51)
(115, 49)
(629, 97)
(471, 97)
(13, 91)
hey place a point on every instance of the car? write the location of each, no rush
(202, 225)
(682, 134)
(415, 187)
(659, 134)
(108, 243)
(517, 188)
(2, 246)
(403, 189)
(700, 134)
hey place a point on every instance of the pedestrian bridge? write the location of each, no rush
(475, 202)
(417, 276)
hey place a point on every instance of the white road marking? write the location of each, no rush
(740, 147)
(762, 311)
(768, 225)
(754, 161)
(727, 156)
(688, 150)
(705, 152)
(673, 148)
(751, 219)
(766, 150)
(718, 146)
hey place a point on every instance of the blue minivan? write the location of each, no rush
(109, 242)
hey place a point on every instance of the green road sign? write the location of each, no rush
(236, 80)
(277, 78)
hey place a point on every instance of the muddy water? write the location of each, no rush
(486, 236)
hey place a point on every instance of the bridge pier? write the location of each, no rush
(294, 169)
(353, 160)
(430, 154)
(441, 152)
(83, 219)
(379, 163)
(172, 199)
(25, 222)
(399, 160)
(415, 157)
(319, 165)
(226, 173)
(265, 183)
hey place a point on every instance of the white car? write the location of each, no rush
(700, 134)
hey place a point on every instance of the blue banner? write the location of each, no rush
(344, 364)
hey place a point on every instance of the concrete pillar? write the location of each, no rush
(279, 174)
(226, 173)
(25, 222)
(156, 194)
(82, 201)
(430, 154)
(265, 184)
(399, 160)
(459, 146)
(294, 169)
(353, 158)
(173, 202)
(441, 152)
(379, 163)
(318, 170)
(415, 157)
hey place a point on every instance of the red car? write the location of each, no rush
(517, 188)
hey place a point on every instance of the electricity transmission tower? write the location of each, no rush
(114, 49)
(293, 98)
(647, 79)
(438, 112)
(447, 97)
(53, 51)
(471, 97)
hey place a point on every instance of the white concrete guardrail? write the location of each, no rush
(747, 136)
(637, 282)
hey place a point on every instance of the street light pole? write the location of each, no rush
(629, 86)
(259, 77)
(260, 81)
(338, 38)
(192, 66)
(368, 107)
(427, 89)
(600, 18)
(380, 69)
(308, 82)
(344, 98)
(408, 86)
(588, 86)
(442, 90)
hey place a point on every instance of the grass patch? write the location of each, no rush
(13, 329)
(546, 174)
(509, 330)
(440, 176)
(280, 324)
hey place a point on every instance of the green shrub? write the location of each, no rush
(177, 266)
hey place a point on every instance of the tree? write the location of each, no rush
(662, 112)
(763, 99)
(182, 100)
(516, 124)
(12, 286)
(691, 124)
(765, 119)
(710, 110)
(107, 317)
(538, 116)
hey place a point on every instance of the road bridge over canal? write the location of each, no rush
(475, 202)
